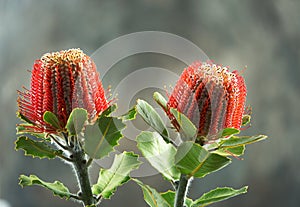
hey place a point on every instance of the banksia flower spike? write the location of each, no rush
(210, 96)
(60, 82)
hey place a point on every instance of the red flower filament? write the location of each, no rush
(60, 82)
(210, 96)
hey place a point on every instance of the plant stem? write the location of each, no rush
(81, 170)
(181, 191)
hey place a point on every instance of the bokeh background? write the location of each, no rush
(262, 35)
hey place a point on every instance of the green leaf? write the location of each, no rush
(109, 110)
(246, 120)
(233, 146)
(102, 136)
(188, 130)
(152, 118)
(36, 148)
(130, 115)
(24, 118)
(161, 155)
(218, 194)
(160, 100)
(52, 119)
(229, 131)
(118, 174)
(239, 141)
(57, 187)
(23, 129)
(169, 196)
(76, 121)
(152, 197)
(193, 160)
(233, 151)
(26, 127)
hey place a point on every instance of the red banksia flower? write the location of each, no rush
(60, 82)
(210, 96)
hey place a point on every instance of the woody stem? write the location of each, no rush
(81, 169)
(181, 191)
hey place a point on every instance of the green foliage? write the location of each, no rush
(130, 115)
(100, 138)
(246, 120)
(109, 110)
(160, 100)
(193, 160)
(118, 174)
(36, 148)
(161, 155)
(217, 195)
(240, 141)
(76, 121)
(188, 131)
(169, 196)
(103, 136)
(24, 118)
(52, 119)
(23, 129)
(152, 197)
(229, 131)
(57, 187)
(151, 117)
(234, 145)
(231, 151)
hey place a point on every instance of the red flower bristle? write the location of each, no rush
(210, 96)
(60, 82)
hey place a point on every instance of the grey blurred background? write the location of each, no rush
(264, 35)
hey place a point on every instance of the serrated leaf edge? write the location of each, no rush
(55, 152)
